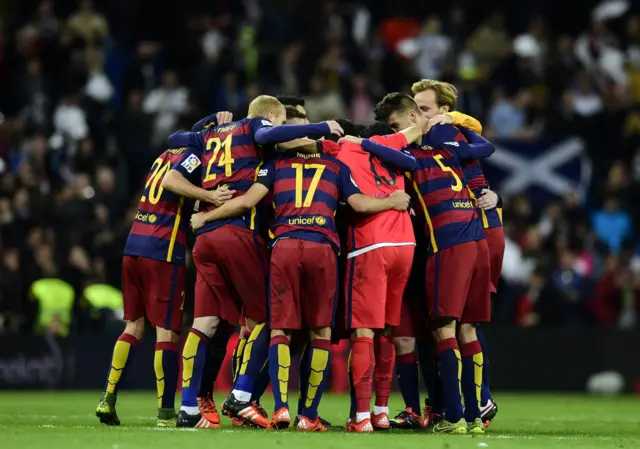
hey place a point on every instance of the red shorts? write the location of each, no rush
(303, 284)
(376, 281)
(495, 240)
(154, 289)
(232, 264)
(458, 283)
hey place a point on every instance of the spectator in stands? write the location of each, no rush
(611, 224)
(166, 103)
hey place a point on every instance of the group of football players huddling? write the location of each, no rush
(386, 234)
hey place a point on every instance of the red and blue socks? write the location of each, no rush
(165, 365)
(122, 354)
(409, 380)
(472, 366)
(362, 368)
(385, 354)
(194, 356)
(319, 363)
(450, 373)
(279, 369)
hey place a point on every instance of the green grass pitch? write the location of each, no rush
(60, 420)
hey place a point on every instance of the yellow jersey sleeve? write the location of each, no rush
(466, 121)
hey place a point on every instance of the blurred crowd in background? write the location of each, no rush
(91, 89)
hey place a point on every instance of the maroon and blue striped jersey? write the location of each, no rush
(476, 181)
(307, 189)
(229, 157)
(161, 223)
(442, 192)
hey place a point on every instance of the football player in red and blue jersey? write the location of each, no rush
(230, 256)
(458, 257)
(153, 283)
(437, 101)
(307, 189)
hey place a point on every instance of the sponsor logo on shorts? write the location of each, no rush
(308, 221)
(263, 172)
(191, 163)
(463, 204)
(146, 217)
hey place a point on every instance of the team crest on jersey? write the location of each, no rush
(191, 163)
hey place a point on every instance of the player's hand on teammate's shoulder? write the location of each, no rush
(223, 117)
(352, 139)
(335, 128)
(444, 119)
(220, 196)
(399, 200)
(488, 200)
(198, 221)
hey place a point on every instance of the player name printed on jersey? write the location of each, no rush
(161, 223)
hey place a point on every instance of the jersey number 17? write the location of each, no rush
(317, 175)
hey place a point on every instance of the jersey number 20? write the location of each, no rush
(158, 170)
(308, 199)
(226, 160)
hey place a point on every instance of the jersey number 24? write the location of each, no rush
(226, 160)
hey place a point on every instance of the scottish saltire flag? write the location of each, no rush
(544, 170)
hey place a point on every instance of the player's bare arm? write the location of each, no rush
(232, 208)
(413, 134)
(175, 182)
(364, 204)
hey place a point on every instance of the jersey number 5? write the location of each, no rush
(158, 170)
(457, 187)
(226, 160)
(300, 168)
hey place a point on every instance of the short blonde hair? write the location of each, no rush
(264, 104)
(446, 93)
